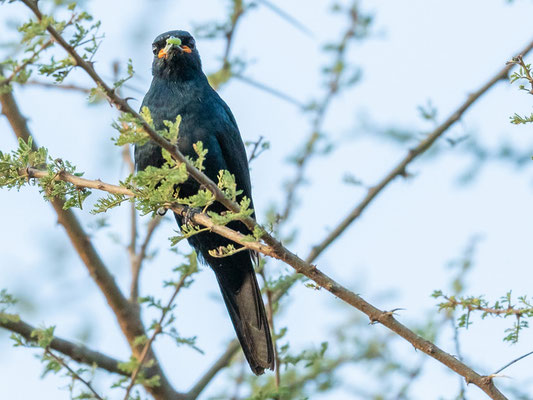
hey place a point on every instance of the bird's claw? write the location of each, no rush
(188, 216)
(161, 211)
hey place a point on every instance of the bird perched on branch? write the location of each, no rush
(179, 87)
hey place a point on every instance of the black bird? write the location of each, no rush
(179, 87)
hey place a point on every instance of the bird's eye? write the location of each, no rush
(191, 43)
(155, 48)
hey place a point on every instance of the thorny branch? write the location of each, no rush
(376, 316)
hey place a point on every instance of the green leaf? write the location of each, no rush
(44, 336)
(172, 131)
(174, 40)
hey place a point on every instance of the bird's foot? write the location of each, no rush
(189, 215)
(161, 211)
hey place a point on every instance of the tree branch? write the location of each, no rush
(77, 352)
(312, 272)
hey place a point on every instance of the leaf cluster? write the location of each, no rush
(524, 73)
(129, 367)
(505, 307)
(35, 40)
(14, 173)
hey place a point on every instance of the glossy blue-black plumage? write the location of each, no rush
(179, 87)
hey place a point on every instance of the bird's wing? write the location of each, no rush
(234, 153)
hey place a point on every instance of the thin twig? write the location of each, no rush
(141, 256)
(525, 68)
(512, 362)
(257, 149)
(49, 85)
(228, 33)
(458, 353)
(237, 13)
(34, 56)
(73, 373)
(287, 17)
(157, 330)
(132, 247)
(275, 92)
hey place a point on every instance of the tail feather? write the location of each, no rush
(247, 312)
(240, 291)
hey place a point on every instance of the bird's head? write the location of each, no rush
(175, 55)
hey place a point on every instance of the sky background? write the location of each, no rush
(395, 255)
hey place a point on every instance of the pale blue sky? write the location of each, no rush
(422, 50)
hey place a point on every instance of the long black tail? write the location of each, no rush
(238, 284)
(242, 296)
